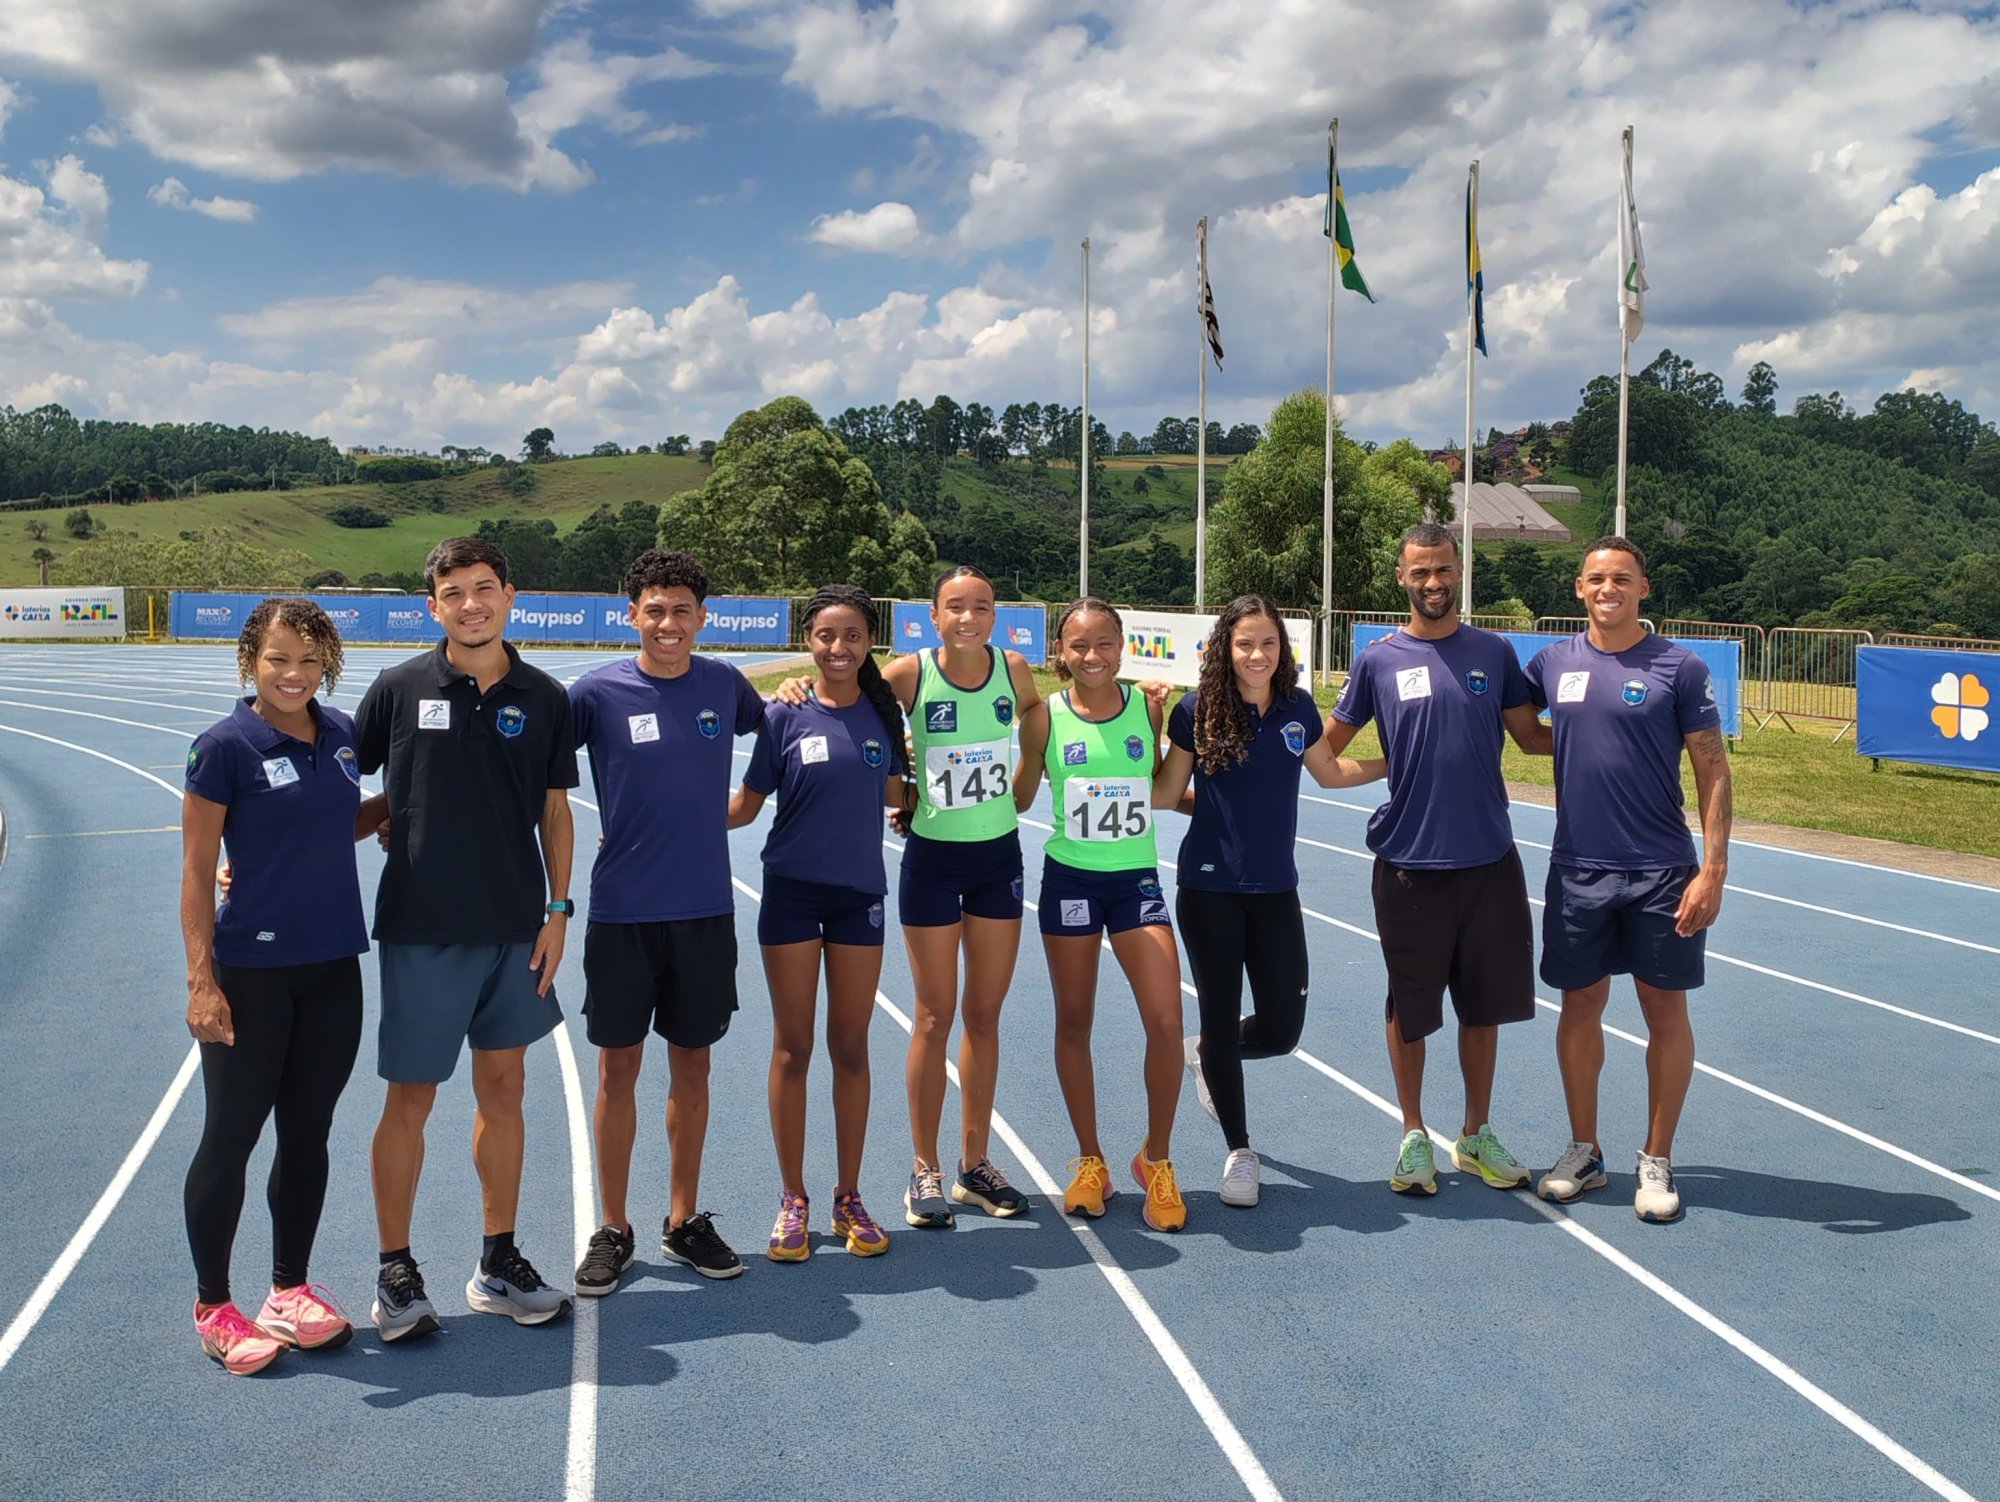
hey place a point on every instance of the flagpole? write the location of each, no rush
(1624, 346)
(1083, 526)
(1471, 351)
(1201, 451)
(1326, 479)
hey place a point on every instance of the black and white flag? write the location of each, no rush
(1208, 322)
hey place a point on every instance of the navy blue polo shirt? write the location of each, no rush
(660, 758)
(468, 776)
(1621, 720)
(1438, 703)
(295, 898)
(1247, 814)
(829, 767)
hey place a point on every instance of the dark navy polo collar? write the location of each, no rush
(448, 673)
(265, 736)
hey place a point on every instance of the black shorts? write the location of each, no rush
(678, 977)
(1467, 930)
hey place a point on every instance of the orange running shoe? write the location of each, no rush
(1164, 1209)
(228, 1335)
(1089, 1188)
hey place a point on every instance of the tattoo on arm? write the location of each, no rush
(1712, 781)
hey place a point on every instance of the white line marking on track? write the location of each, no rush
(580, 1468)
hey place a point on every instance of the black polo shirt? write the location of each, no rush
(468, 775)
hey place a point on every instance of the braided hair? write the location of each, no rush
(1222, 731)
(872, 684)
(1088, 605)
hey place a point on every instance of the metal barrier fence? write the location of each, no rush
(1809, 675)
(1943, 643)
(1571, 624)
(1344, 622)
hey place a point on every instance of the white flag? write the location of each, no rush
(1631, 255)
(1207, 298)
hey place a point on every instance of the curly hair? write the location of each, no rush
(873, 684)
(304, 617)
(1089, 604)
(1222, 731)
(663, 568)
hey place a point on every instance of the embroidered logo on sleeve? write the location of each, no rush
(871, 752)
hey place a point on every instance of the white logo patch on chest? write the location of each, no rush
(1413, 683)
(1571, 687)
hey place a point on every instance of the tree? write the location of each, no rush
(538, 444)
(42, 558)
(608, 449)
(196, 562)
(79, 523)
(1760, 390)
(708, 451)
(326, 578)
(675, 445)
(37, 529)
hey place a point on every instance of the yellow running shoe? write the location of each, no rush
(1164, 1209)
(1089, 1188)
(854, 1225)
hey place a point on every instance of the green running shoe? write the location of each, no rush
(1414, 1170)
(1481, 1153)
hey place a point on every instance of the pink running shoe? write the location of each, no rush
(231, 1339)
(305, 1316)
(852, 1221)
(790, 1239)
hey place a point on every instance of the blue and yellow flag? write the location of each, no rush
(1475, 279)
(1336, 230)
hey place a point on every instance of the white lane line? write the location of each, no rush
(85, 714)
(23, 1323)
(1249, 1469)
(580, 1468)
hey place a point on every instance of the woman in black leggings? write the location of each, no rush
(274, 978)
(1243, 735)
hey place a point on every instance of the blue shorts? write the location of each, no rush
(1599, 923)
(945, 880)
(438, 997)
(1082, 904)
(794, 912)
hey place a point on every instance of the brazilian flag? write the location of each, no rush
(1336, 230)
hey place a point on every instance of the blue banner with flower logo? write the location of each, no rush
(1924, 705)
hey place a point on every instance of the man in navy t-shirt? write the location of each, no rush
(1451, 901)
(1625, 896)
(659, 954)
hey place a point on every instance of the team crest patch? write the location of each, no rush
(875, 915)
(1015, 888)
(709, 723)
(1075, 753)
(1295, 738)
(1003, 710)
(511, 721)
(871, 752)
(1135, 748)
(1148, 887)
(1475, 679)
(1633, 691)
(941, 716)
(194, 755)
(348, 764)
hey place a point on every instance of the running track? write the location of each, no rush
(1822, 1323)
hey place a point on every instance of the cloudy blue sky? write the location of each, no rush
(416, 222)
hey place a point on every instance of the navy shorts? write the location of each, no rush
(676, 976)
(794, 912)
(945, 880)
(1600, 923)
(1083, 904)
(438, 997)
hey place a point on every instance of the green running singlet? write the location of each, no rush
(1101, 782)
(964, 753)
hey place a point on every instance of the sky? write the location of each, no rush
(417, 222)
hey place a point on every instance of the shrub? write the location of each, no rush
(354, 514)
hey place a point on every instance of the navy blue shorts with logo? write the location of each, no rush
(1083, 904)
(945, 880)
(795, 911)
(1599, 923)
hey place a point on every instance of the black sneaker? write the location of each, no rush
(401, 1307)
(610, 1252)
(694, 1242)
(983, 1186)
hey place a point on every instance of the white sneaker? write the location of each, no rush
(1580, 1168)
(1191, 1050)
(1239, 1178)
(1657, 1199)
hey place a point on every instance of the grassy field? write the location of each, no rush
(565, 492)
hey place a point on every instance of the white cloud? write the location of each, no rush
(83, 193)
(100, 134)
(10, 98)
(395, 309)
(173, 194)
(50, 239)
(887, 227)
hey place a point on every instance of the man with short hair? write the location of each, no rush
(1625, 895)
(1451, 900)
(470, 916)
(659, 954)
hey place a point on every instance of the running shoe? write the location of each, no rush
(852, 1221)
(1164, 1209)
(1191, 1050)
(512, 1287)
(306, 1317)
(924, 1203)
(1240, 1178)
(694, 1242)
(1580, 1168)
(1414, 1170)
(982, 1185)
(791, 1236)
(1089, 1186)
(401, 1307)
(1481, 1153)
(610, 1252)
(1657, 1199)
(228, 1335)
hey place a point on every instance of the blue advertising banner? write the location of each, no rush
(1923, 705)
(1724, 656)
(536, 618)
(733, 621)
(1025, 628)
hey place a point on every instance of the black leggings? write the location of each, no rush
(298, 1028)
(1227, 933)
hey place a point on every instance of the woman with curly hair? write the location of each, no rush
(1243, 735)
(274, 975)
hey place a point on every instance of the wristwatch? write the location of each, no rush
(563, 905)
